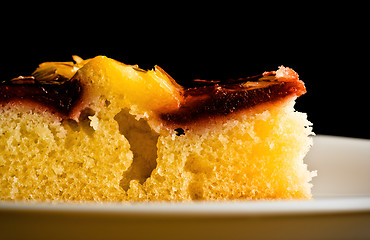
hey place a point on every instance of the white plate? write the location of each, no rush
(341, 209)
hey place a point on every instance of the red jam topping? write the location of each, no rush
(223, 98)
(59, 96)
(212, 99)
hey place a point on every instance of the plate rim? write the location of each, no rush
(202, 208)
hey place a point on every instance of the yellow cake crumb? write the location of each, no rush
(113, 152)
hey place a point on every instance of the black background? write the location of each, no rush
(327, 46)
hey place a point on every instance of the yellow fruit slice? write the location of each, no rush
(146, 90)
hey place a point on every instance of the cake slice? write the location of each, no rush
(101, 130)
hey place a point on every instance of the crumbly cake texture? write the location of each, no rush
(112, 149)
